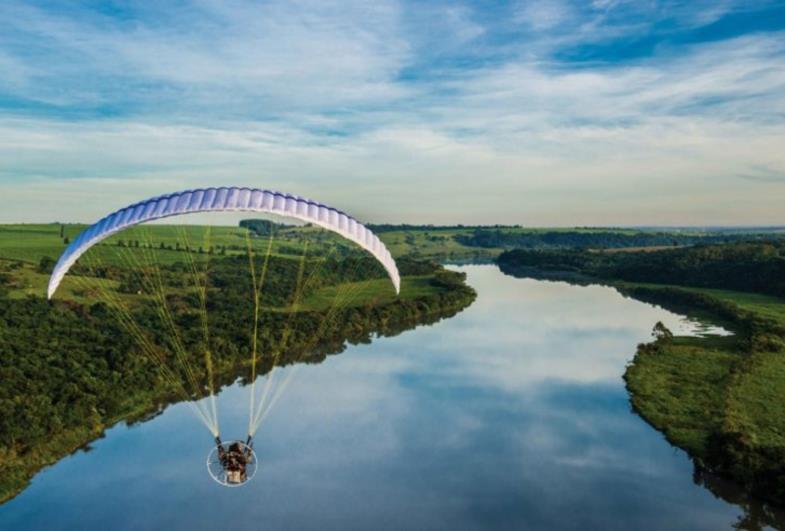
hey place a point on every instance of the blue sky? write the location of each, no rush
(534, 112)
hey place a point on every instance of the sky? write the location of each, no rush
(533, 112)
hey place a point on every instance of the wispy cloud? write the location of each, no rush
(531, 112)
(763, 174)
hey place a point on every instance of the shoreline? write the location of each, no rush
(707, 395)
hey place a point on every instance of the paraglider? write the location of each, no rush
(232, 464)
(229, 463)
(225, 200)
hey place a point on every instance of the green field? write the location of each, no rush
(721, 398)
(438, 243)
(29, 243)
(23, 246)
(377, 291)
(765, 306)
(676, 388)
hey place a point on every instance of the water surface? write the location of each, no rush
(511, 415)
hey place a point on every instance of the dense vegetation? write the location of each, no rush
(460, 242)
(392, 227)
(261, 227)
(71, 367)
(719, 398)
(596, 239)
(758, 267)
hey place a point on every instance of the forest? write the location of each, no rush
(744, 266)
(599, 238)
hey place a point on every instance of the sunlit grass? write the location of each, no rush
(377, 291)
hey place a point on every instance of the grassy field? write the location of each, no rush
(702, 391)
(377, 291)
(765, 306)
(441, 242)
(431, 243)
(676, 388)
(696, 387)
(27, 281)
(755, 404)
(167, 244)
(29, 243)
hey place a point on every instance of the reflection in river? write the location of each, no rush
(511, 415)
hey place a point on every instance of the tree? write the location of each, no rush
(261, 227)
(46, 265)
(661, 333)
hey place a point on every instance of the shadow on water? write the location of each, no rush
(756, 514)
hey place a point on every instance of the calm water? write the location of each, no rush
(511, 415)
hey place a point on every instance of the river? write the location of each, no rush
(511, 415)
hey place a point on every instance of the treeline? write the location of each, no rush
(750, 266)
(390, 227)
(596, 239)
(262, 227)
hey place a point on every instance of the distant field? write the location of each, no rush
(167, 244)
(431, 243)
(763, 305)
(29, 243)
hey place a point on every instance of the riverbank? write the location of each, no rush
(721, 399)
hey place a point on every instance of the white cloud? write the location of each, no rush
(543, 14)
(361, 105)
(302, 54)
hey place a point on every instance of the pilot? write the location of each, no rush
(234, 461)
